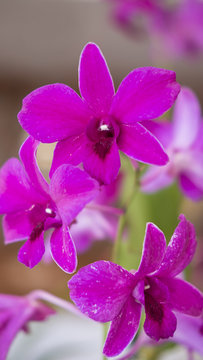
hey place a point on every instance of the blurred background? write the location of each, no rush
(40, 43)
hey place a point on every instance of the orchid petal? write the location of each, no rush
(153, 250)
(155, 179)
(63, 250)
(16, 193)
(123, 328)
(104, 169)
(71, 189)
(68, 151)
(189, 332)
(28, 157)
(160, 322)
(16, 226)
(30, 254)
(145, 94)
(184, 297)
(12, 326)
(189, 188)
(96, 85)
(137, 142)
(53, 112)
(180, 250)
(161, 130)
(186, 119)
(101, 289)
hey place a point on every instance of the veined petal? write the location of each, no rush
(184, 297)
(16, 226)
(123, 328)
(137, 142)
(145, 94)
(71, 189)
(30, 254)
(104, 169)
(16, 192)
(68, 151)
(27, 155)
(153, 250)
(156, 178)
(100, 289)
(186, 119)
(63, 250)
(95, 82)
(53, 112)
(180, 250)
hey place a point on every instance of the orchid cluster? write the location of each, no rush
(78, 203)
(175, 26)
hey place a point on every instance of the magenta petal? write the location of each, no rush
(71, 189)
(189, 188)
(96, 85)
(63, 250)
(28, 157)
(159, 327)
(184, 297)
(104, 169)
(156, 178)
(180, 250)
(32, 251)
(100, 289)
(123, 328)
(189, 332)
(137, 142)
(69, 151)
(153, 250)
(186, 119)
(145, 94)
(53, 112)
(15, 190)
(16, 226)
(161, 130)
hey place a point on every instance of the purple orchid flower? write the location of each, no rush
(182, 139)
(33, 206)
(93, 129)
(98, 220)
(180, 29)
(15, 314)
(177, 28)
(189, 333)
(105, 291)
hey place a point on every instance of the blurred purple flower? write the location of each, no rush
(33, 206)
(93, 129)
(15, 314)
(98, 220)
(106, 292)
(183, 141)
(189, 332)
(177, 27)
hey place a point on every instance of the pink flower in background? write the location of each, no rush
(98, 220)
(175, 28)
(15, 314)
(105, 291)
(180, 29)
(33, 206)
(92, 129)
(183, 141)
(189, 333)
